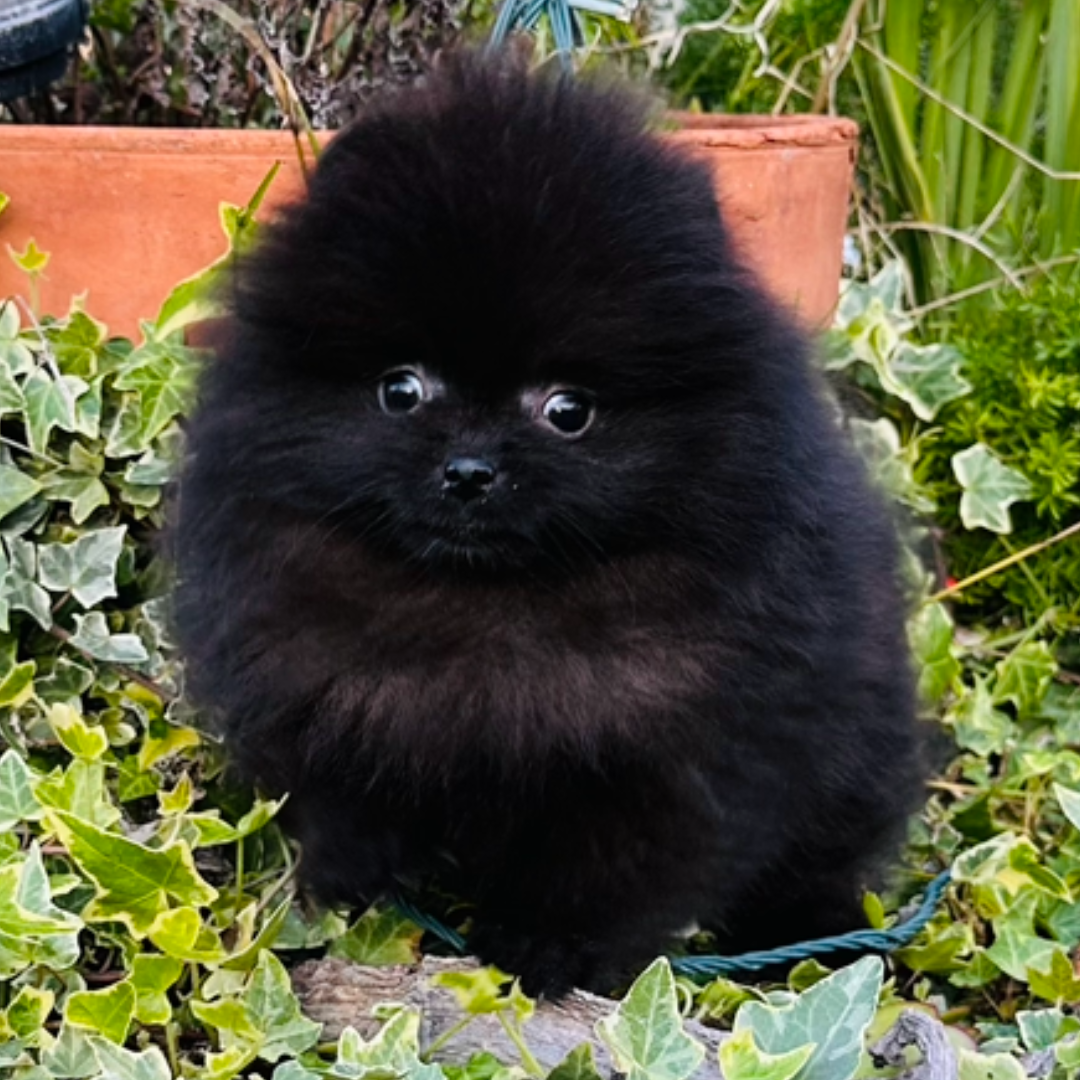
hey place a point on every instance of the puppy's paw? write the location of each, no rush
(548, 966)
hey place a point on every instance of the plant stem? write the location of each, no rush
(1003, 564)
(513, 1033)
(65, 636)
(446, 1036)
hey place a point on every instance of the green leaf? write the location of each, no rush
(1024, 676)
(78, 737)
(179, 800)
(931, 633)
(32, 929)
(172, 739)
(84, 492)
(17, 686)
(1057, 982)
(1040, 1029)
(151, 976)
(395, 1050)
(833, 1015)
(478, 991)
(26, 1015)
(927, 377)
(989, 1067)
(878, 444)
(11, 395)
(116, 1063)
(1067, 1054)
(16, 358)
(579, 1064)
(940, 948)
(19, 590)
(86, 567)
(107, 1012)
(71, 1055)
(17, 802)
(181, 933)
(741, 1059)
(135, 884)
(990, 488)
(985, 863)
(645, 1033)
(50, 403)
(1017, 948)
(75, 343)
(977, 725)
(32, 260)
(16, 488)
(164, 378)
(273, 1006)
(378, 939)
(80, 790)
(93, 637)
(1069, 801)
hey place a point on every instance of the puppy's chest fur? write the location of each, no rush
(507, 670)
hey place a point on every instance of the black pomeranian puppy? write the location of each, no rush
(518, 544)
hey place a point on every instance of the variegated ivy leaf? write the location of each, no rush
(645, 1033)
(1069, 801)
(887, 288)
(93, 637)
(86, 567)
(878, 444)
(15, 355)
(832, 1016)
(1024, 676)
(16, 488)
(135, 884)
(32, 929)
(927, 377)
(50, 403)
(931, 636)
(990, 488)
(16, 358)
(19, 590)
(163, 376)
(394, 1050)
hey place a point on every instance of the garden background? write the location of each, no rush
(148, 912)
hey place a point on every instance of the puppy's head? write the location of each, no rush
(503, 329)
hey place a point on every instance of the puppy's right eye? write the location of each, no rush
(401, 392)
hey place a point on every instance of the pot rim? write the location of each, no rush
(746, 131)
(753, 130)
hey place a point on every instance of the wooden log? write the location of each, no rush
(340, 994)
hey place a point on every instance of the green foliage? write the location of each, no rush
(1022, 359)
(725, 66)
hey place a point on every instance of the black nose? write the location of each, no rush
(468, 478)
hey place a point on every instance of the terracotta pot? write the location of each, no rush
(126, 213)
(784, 184)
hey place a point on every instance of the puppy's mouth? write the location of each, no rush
(469, 545)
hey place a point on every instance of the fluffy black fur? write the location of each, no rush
(657, 675)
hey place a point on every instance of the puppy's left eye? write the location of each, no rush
(569, 412)
(400, 392)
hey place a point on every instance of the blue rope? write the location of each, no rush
(709, 967)
(429, 923)
(881, 941)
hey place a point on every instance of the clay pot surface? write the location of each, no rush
(127, 213)
(783, 184)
